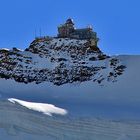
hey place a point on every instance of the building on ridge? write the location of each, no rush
(67, 30)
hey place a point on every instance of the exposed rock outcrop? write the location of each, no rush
(59, 61)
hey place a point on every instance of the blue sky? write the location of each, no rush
(116, 21)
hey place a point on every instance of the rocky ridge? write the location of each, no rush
(60, 61)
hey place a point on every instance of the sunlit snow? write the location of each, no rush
(47, 109)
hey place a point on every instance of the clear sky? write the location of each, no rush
(117, 22)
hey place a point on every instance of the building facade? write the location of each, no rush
(68, 30)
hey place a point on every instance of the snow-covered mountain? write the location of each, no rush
(59, 61)
(84, 93)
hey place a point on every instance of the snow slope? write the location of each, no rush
(17, 122)
(85, 93)
(105, 112)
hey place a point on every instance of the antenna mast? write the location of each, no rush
(35, 33)
(40, 32)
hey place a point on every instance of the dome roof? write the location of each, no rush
(69, 21)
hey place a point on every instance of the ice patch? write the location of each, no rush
(47, 109)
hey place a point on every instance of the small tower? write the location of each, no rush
(66, 29)
(70, 26)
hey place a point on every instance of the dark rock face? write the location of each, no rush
(59, 61)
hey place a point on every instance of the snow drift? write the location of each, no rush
(47, 109)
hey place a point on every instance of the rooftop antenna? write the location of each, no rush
(35, 33)
(40, 32)
(90, 27)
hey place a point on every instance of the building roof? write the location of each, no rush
(69, 21)
(82, 30)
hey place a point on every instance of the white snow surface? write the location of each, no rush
(47, 109)
(109, 111)
(19, 123)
